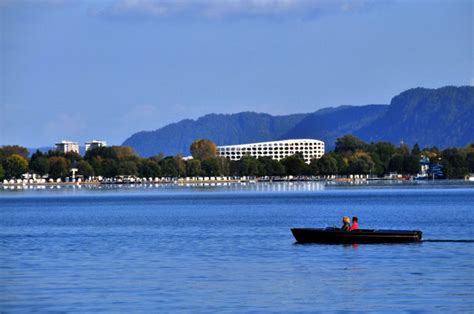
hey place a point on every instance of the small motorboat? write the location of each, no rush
(337, 236)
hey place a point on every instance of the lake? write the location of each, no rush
(230, 249)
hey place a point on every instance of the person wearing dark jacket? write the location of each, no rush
(346, 224)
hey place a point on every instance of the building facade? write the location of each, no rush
(276, 150)
(67, 146)
(95, 144)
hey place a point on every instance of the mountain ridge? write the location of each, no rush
(430, 117)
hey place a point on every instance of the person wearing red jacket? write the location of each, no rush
(355, 224)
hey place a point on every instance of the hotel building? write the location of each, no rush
(276, 150)
(95, 144)
(67, 146)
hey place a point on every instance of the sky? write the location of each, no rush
(105, 69)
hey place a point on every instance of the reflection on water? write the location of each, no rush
(303, 186)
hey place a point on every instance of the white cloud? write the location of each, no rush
(235, 8)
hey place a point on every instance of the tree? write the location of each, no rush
(454, 163)
(102, 152)
(180, 166)
(379, 166)
(295, 165)
(385, 151)
(58, 167)
(168, 167)
(217, 166)
(270, 167)
(2, 172)
(411, 164)
(14, 166)
(326, 165)
(349, 144)
(415, 151)
(123, 152)
(193, 168)
(8, 150)
(107, 167)
(203, 149)
(249, 166)
(470, 161)
(127, 167)
(39, 163)
(85, 169)
(396, 164)
(404, 149)
(361, 164)
(149, 168)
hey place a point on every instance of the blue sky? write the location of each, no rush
(83, 70)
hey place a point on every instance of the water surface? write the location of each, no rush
(229, 248)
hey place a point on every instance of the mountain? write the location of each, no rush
(442, 117)
(329, 125)
(244, 127)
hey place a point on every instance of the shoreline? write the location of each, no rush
(179, 182)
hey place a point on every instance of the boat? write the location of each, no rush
(338, 236)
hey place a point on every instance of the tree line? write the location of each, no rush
(351, 156)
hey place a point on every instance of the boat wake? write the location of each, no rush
(447, 240)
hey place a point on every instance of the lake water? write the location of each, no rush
(230, 249)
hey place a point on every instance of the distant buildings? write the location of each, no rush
(95, 144)
(278, 150)
(67, 147)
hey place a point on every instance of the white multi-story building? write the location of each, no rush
(277, 150)
(95, 144)
(68, 146)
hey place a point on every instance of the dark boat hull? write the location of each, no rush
(337, 236)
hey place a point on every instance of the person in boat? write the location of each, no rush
(355, 223)
(346, 225)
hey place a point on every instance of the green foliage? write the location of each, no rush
(8, 150)
(127, 167)
(203, 149)
(411, 165)
(455, 163)
(396, 164)
(416, 151)
(470, 161)
(353, 157)
(249, 166)
(326, 165)
(349, 144)
(295, 165)
(361, 164)
(14, 166)
(58, 167)
(216, 166)
(123, 152)
(149, 168)
(270, 167)
(168, 167)
(85, 169)
(107, 168)
(193, 168)
(39, 163)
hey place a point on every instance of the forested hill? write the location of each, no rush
(249, 127)
(431, 117)
(244, 127)
(442, 117)
(329, 125)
